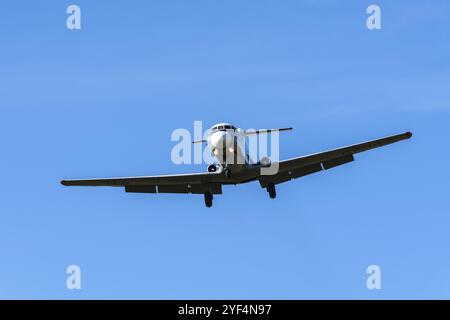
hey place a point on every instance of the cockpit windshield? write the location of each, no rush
(223, 127)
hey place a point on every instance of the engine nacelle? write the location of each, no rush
(214, 168)
(265, 162)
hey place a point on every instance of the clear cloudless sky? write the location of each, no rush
(103, 101)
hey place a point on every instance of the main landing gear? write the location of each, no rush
(271, 190)
(208, 199)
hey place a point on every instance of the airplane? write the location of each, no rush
(234, 166)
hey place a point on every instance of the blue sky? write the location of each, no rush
(103, 101)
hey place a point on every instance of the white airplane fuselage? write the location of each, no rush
(227, 144)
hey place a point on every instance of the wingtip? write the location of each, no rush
(63, 182)
(409, 134)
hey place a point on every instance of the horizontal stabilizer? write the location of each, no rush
(250, 132)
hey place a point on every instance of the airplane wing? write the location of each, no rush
(301, 166)
(200, 183)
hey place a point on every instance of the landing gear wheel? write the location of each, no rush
(271, 190)
(208, 199)
(227, 173)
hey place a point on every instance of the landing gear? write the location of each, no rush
(208, 199)
(227, 173)
(271, 190)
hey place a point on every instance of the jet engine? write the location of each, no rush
(265, 162)
(214, 168)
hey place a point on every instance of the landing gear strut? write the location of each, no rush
(208, 199)
(271, 190)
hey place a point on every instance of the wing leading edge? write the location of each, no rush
(301, 166)
(185, 183)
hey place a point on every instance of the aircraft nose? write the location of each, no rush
(221, 139)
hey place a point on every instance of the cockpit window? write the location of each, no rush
(223, 127)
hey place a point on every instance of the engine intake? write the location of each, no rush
(265, 162)
(214, 168)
